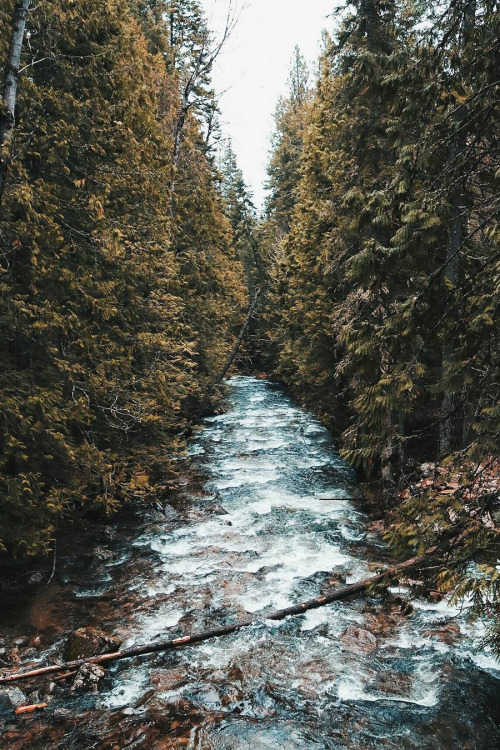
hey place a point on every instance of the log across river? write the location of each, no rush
(267, 520)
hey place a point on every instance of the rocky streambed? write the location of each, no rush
(268, 517)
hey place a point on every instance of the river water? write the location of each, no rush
(269, 516)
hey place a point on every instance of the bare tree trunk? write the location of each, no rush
(9, 89)
(393, 454)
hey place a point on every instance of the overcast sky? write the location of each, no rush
(253, 69)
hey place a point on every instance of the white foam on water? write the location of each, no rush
(314, 618)
(195, 450)
(350, 535)
(257, 445)
(411, 640)
(315, 505)
(257, 477)
(312, 462)
(257, 398)
(442, 608)
(152, 591)
(353, 689)
(487, 661)
(126, 692)
(315, 429)
(337, 619)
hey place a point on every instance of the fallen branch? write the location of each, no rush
(338, 594)
(30, 709)
(66, 675)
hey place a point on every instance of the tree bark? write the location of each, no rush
(9, 88)
(337, 594)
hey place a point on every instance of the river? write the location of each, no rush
(268, 516)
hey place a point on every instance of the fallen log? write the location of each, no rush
(65, 676)
(337, 594)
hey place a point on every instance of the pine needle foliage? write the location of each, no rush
(385, 315)
(119, 301)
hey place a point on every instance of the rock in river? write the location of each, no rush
(10, 699)
(88, 676)
(87, 642)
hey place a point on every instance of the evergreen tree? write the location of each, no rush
(115, 314)
(284, 176)
(242, 216)
(387, 297)
(287, 145)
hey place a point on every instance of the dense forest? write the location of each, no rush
(121, 289)
(382, 242)
(131, 252)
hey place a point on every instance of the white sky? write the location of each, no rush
(252, 70)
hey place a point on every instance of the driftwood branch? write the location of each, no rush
(337, 594)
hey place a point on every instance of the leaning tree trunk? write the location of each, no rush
(232, 356)
(9, 89)
(229, 361)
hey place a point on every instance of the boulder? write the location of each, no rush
(21, 641)
(358, 640)
(87, 642)
(10, 699)
(102, 554)
(217, 510)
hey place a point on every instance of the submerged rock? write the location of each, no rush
(87, 642)
(358, 641)
(60, 715)
(448, 633)
(10, 699)
(166, 681)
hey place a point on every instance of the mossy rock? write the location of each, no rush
(87, 642)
